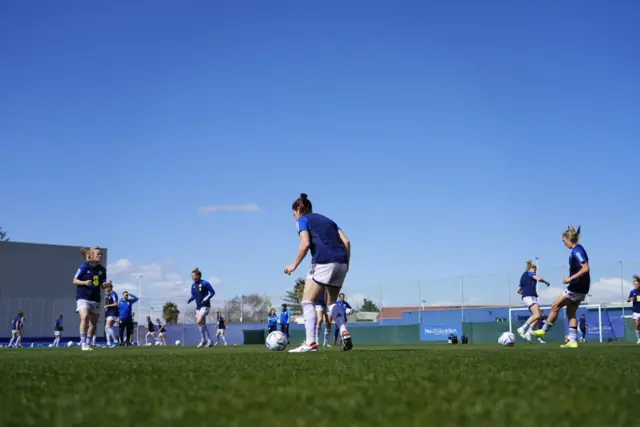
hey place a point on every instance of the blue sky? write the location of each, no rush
(446, 138)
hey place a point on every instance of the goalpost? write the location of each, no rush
(546, 309)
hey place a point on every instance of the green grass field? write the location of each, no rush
(474, 385)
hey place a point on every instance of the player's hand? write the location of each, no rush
(88, 282)
(566, 280)
(289, 269)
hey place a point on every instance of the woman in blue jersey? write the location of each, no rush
(345, 309)
(151, 332)
(272, 321)
(111, 312)
(89, 279)
(57, 330)
(201, 293)
(529, 292)
(161, 332)
(578, 285)
(330, 255)
(634, 298)
(222, 327)
(16, 330)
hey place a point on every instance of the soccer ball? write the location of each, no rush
(70, 344)
(276, 341)
(349, 311)
(507, 339)
(50, 345)
(158, 343)
(178, 342)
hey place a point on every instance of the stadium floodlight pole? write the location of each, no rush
(622, 288)
(509, 288)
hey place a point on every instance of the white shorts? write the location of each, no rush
(14, 331)
(153, 334)
(112, 318)
(332, 274)
(574, 296)
(529, 301)
(636, 316)
(220, 332)
(203, 311)
(160, 334)
(56, 333)
(94, 307)
(321, 308)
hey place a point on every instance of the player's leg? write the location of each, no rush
(129, 331)
(312, 291)
(146, 338)
(94, 318)
(327, 328)
(334, 286)
(557, 305)
(336, 333)
(14, 338)
(83, 308)
(320, 309)
(223, 336)
(201, 320)
(636, 317)
(572, 310)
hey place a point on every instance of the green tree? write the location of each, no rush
(3, 235)
(369, 306)
(170, 313)
(251, 308)
(292, 298)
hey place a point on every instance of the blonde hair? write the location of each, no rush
(88, 253)
(572, 234)
(197, 272)
(531, 265)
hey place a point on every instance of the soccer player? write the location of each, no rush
(17, 325)
(151, 331)
(346, 309)
(88, 280)
(582, 325)
(322, 313)
(221, 329)
(201, 293)
(272, 320)
(111, 311)
(161, 332)
(330, 255)
(284, 321)
(125, 317)
(634, 297)
(578, 285)
(57, 330)
(529, 292)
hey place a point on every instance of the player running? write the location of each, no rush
(582, 325)
(201, 293)
(111, 312)
(57, 330)
(151, 331)
(634, 297)
(578, 285)
(221, 329)
(346, 309)
(322, 313)
(161, 332)
(88, 280)
(272, 320)
(529, 292)
(330, 256)
(17, 326)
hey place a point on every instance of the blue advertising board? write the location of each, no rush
(441, 332)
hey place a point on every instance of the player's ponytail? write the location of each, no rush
(530, 265)
(572, 234)
(302, 204)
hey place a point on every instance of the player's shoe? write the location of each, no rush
(570, 345)
(202, 344)
(541, 341)
(305, 348)
(522, 333)
(86, 347)
(638, 341)
(539, 333)
(209, 344)
(527, 336)
(346, 341)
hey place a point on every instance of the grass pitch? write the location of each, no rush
(440, 386)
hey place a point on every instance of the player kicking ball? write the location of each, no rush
(330, 255)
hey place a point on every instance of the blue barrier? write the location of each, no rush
(431, 332)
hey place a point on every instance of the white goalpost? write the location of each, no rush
(546, 309)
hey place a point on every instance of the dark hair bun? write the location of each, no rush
(303, 196)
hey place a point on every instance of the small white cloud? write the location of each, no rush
(213, 280)
(122, 265)
(248, 207)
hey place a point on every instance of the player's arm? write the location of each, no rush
(79, 282)
(541, 280)
(346, 242)
(631, 296)
(134, 299)
(581, 256)
(211, 293)
(303, 248)
(193, 295)
(520, 291)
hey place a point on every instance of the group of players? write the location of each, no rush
(578, 284)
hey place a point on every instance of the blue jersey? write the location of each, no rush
(161, 328)
(528, 285)
(58, 326)
(124, 307)
(97, 274)
(634, 295)
(284, 317)
(343, 306)
(202, 293)
(578, 257)
(273, 320)
(150, 326)
(221, 324)
(326, 245)
(16, 323)
(582, 323)
(112, 298)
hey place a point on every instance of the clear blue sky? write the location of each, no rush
(447, 138)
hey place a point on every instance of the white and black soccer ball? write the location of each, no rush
(507, 339)
(70, 344)
(158, 343)
(178, 343)
(349, 311)
(276, 341)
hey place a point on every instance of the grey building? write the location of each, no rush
(38, 280)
